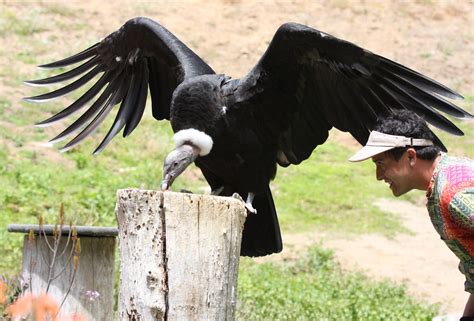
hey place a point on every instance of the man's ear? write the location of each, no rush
(411, 152)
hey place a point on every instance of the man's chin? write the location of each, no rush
(398, 193)
(394, 190)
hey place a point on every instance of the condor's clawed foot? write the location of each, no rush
(250, 208)
(237, 196)
(248, 203)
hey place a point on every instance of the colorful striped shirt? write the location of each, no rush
(451, 209)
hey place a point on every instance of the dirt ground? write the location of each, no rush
(433, 37)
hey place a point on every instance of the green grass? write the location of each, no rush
(314, 288)
(10, 77)
(37, 19)
(18, 114)
(60, 10)
(21, 25)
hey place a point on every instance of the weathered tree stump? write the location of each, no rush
(94, 275)
(179, 255)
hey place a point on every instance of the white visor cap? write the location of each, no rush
(379, 142)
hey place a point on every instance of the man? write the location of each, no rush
(409, 156)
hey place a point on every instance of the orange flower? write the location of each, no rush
(21, 307)
(45, 306)
(3, 293)
(41, 307)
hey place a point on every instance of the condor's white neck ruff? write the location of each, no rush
(196, 137)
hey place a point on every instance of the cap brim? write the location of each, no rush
(367, 152)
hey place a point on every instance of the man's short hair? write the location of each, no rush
(407, 123)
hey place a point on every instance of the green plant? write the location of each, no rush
(314, 288)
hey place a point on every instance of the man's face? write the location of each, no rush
(398, 174)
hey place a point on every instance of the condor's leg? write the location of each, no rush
(249, 201)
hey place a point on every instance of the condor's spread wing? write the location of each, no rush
(139, 55)
(308, 82)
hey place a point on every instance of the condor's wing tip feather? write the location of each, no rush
(454, 130)
(66, 148)
(36, 99)
(29, 99)
(57, 139)
(87, 53)
(43, 124)
(49, 121)
(98, 150)
(449, 93)
(34, 83)
(467, 115)
(421, 80)
(66, 75)
(66, 89)
(457, 95)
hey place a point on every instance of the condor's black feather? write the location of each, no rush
(66, 89)
(83, 55)
(67, 75)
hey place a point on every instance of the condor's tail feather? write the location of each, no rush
(261, 235)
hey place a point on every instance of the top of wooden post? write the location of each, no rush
(179, 255)
(93, 231)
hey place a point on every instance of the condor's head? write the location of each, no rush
(190, 143)
(197, 107)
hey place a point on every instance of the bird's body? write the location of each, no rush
(239, 161)
(238, 157)
(238, 131)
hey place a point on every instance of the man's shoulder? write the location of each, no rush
(452, 163)
(455, 170)
(449, 159)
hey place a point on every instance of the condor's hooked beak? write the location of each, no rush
(176, 162)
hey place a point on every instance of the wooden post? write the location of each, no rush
(95, 271)
(179, 255)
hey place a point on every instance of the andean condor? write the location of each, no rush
(238, 130)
